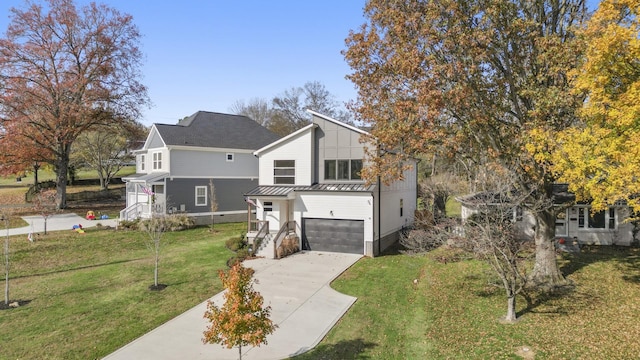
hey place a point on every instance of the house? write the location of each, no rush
(175, 166)
(310, 185)
(574, 220)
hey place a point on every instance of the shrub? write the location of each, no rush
(129, 224)
(174, 222)
(236, 243)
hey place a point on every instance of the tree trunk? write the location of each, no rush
(45, 225)
(6, 266)
(511, 307)
(36, 166)
(240, 352)
(155, 271)
(545, 271)
(61, 182)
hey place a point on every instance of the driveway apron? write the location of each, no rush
(303, 305)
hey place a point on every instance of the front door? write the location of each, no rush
(562, 225)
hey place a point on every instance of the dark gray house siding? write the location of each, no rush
(229, 194)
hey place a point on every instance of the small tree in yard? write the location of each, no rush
(241, 320)
(155, 227)
(212, 201)
(4, 216)
(44, 203)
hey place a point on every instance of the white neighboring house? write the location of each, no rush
(575, 222)
(177, 162)
(310, 183)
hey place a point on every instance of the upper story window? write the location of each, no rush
(284, 171)
(342, 169)
(599, 220)
(201, 196)
(157, 161)
(142, 162)
(229, 157)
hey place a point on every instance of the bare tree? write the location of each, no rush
(213, 203)
(44, 203)
(256, 109)
(5, 215)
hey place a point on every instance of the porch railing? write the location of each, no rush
(263, 231)
(285, 230)
(132, 211)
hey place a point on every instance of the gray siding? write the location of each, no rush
(334, 142)
(229, 193)
(155, 141)
(194, 163)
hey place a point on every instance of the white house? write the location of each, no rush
(178, 162)
(574, 222)
(310, 183)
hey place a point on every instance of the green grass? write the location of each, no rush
(47, 174)
(453, 312)
(88, 293)
(453, 208)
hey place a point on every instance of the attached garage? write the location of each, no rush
(343, 236)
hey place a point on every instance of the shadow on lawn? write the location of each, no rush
(626, 259)
(348, 349)
(77, 268)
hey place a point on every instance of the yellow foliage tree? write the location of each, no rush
(600, 159)
(242, 320)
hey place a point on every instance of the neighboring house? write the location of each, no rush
(310, 183)
(573, 222)
(177, 163)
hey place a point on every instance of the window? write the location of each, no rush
(284, 171)
(268, 206)
(201, 196)
(158, 189)
(142, 161)
(229, 157)
(598, 220)
(157, 161)
(342, 169)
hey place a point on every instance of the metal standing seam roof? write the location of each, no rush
(275, 190)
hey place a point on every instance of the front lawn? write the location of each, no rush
(452, 312)
(87, 294)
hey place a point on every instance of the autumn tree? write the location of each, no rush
(242, 320)
(44, 203)
(484, 80)
(63, 71)
(107, 149)
(155, 227)
(18, 157)
(600, 158)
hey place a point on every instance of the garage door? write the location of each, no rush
(344, 236)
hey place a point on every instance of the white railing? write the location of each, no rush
(132, 211)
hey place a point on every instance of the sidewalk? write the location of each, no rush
(56, 222)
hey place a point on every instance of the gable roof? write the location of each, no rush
(337, 122)
(216, 130)
(284, 139)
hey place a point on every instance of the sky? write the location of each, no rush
(208, 54)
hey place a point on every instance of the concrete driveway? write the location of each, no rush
(302, 304)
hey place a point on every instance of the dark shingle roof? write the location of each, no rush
(209, 129)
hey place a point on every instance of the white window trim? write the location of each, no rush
(232, 157)
(584, 211)
(157, 160)
(205, 196)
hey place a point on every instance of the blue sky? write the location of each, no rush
(207, 54)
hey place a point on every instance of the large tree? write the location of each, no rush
(483, 79)
(601, 159)
(65, 70)
(107, 149)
